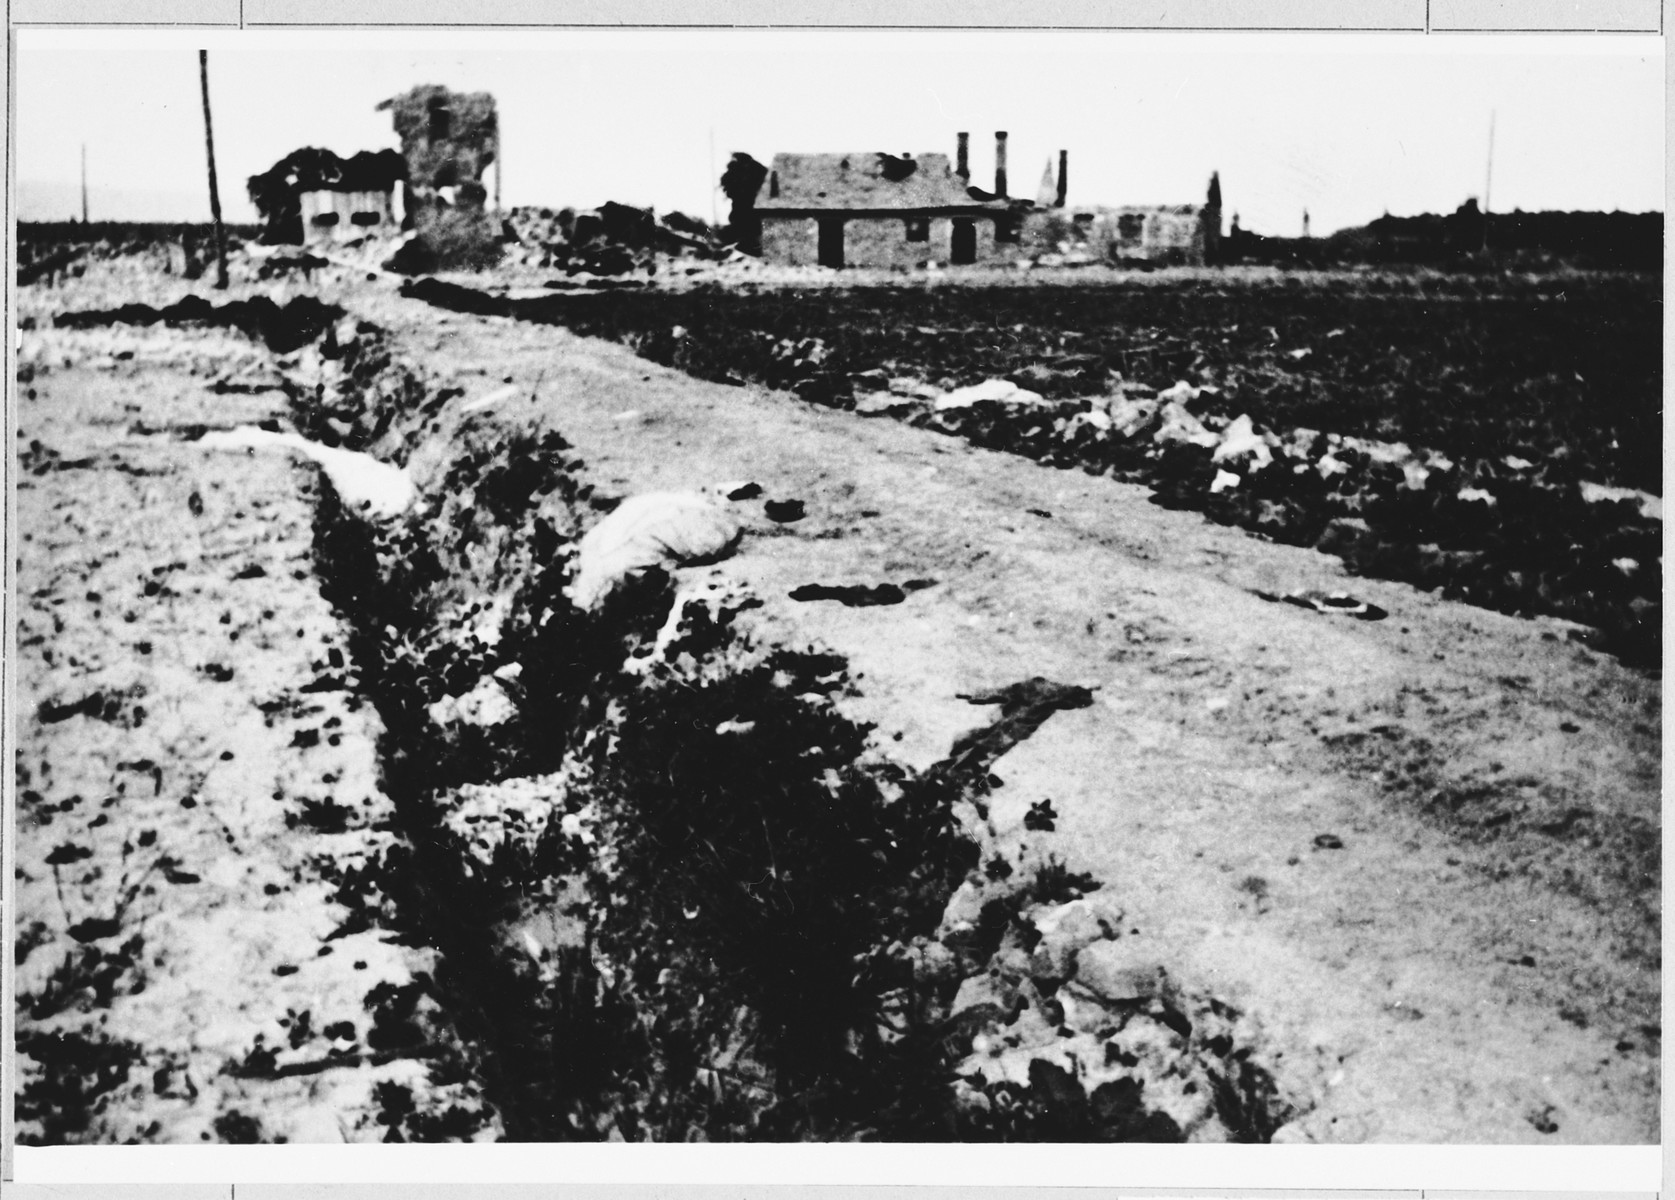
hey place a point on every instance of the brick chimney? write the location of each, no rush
(962, 157)
(1064, 177)
(1000, 162)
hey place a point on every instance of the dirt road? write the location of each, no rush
(1422, 851)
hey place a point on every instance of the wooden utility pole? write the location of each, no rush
(84, 183)
(214, 191)
(1488, 177)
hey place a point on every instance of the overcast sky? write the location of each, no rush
(1347, 126)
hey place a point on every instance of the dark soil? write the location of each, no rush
(283, 328)
(1538, 367)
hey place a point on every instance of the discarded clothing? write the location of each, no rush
(362, 482)
(1001, 391)
(1024, 707)
(854, 595)
(1341, 603)
(652, 529)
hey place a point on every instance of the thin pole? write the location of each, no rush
(714, 186)
(214, 191)
(1488, 176)
(84, 183)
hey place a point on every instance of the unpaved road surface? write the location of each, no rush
(1422, 852)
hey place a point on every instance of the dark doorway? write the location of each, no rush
(831, 243)
(962, 247)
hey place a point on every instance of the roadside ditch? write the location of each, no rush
(676, 893)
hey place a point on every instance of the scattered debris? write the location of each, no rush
(991, 391)
(1650, 506)
(784, 511)
(1041, 817)
(365, 484)
(283, 328)
(1024, 707)
(489, 399)
(1340, 603)
(853, 595)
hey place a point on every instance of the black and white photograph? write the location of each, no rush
(666, 586)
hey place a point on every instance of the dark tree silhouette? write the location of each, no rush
(276, 192)
(741, 182)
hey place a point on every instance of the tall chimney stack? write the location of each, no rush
(1000, 162)
(962, 158)
(1064, 176)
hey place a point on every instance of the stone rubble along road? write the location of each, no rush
(197, 784)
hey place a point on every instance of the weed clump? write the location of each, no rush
(71, 1075)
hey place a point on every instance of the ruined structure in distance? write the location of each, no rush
(875, 209)
(448, 139)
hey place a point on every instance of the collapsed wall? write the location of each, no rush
(449, 139)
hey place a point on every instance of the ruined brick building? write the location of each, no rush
(433, 186)
(313, 197)
(875, 209)
(1162, 234)
(449, 139)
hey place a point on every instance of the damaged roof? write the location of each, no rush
(867, 180)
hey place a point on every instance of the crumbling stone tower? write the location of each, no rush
(449, 139)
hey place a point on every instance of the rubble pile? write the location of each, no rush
(1503, 532)
(1077, 1031)
(614, 239)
